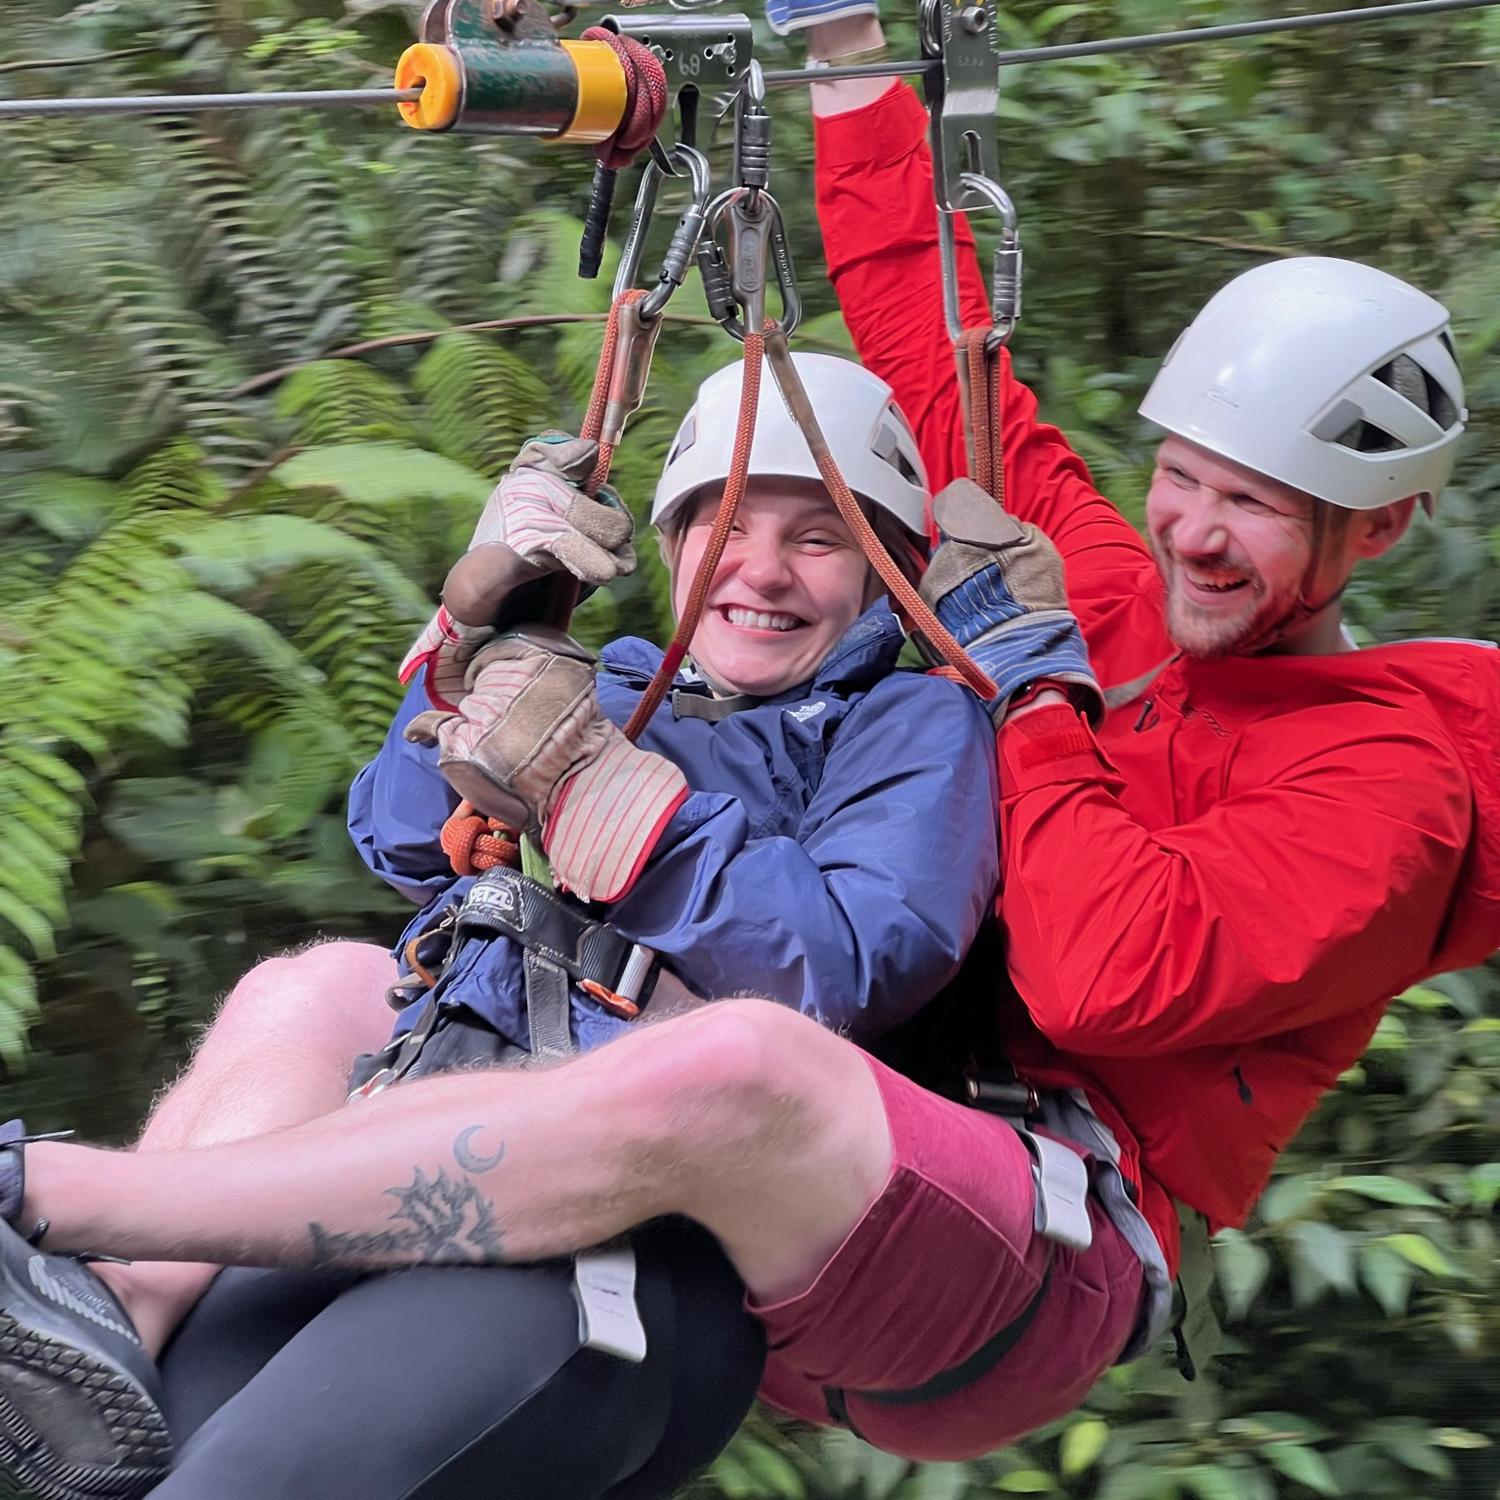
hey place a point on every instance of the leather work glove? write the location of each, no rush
(529, 745)
(537, 522)
(997, 584)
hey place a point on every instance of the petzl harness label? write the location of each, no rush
(608, 1317)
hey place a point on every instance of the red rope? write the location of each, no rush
(645, 98)
(983, 416)
(708, 564)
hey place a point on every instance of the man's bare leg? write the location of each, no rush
(277, 1054)
(743, 1115)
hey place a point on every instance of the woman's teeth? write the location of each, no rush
(753, 619)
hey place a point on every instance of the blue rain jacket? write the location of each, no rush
(837, 851)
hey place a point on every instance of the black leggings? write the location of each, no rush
(457, 1382)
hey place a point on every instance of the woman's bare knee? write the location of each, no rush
(331, 995)
(280, 1048)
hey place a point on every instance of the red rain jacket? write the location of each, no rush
(1211, 902)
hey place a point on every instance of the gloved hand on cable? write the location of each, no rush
(997, 584)
(537, 522)
(529, 745)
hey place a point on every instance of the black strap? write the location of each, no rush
(546, 925)
(547, 1006)
(958, 1377)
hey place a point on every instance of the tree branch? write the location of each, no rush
(427, 335)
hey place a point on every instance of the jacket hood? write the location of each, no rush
(866, 652)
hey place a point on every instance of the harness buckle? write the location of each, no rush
(624, 1001)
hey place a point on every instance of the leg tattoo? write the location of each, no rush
(439, 1220)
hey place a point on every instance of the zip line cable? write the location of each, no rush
(780, 78)
(174, 104)
(786, 77)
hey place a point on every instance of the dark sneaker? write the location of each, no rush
(80, 1414)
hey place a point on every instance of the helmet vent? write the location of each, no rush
(1366, 437)
(687, 435)
(1410, 380)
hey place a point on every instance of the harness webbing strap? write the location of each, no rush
(506, 902)
(547, 1005)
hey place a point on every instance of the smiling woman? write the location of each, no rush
(792, 581)
(793, 578)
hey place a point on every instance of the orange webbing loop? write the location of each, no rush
(903, 596)
(982, 415)
(708, 564)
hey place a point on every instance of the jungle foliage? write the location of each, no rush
(219, 538)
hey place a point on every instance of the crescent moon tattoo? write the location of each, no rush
(469, 1159)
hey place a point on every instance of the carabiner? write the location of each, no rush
(1005, 283)
(684, 242)
(757, 238)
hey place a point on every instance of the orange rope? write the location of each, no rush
(474, 842)
(593, 421)
(708, 565)
(983, 415)
(903, 595)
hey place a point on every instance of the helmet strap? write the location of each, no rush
(1303, 608)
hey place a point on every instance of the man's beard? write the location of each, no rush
(1210, 634)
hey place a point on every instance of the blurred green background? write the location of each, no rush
(218, 540)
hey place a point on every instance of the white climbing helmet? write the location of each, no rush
(869, 438)
(1330, 376)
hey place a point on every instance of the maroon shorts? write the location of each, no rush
(941, 1261)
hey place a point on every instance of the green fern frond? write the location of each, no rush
(358, 648)
(232, 554)
(377, 474)
(181, 368)
(18, 1006)
(483, 401)
(342, 401)
(299, 177)
(172, 478)
(540, 275)
(212, 223)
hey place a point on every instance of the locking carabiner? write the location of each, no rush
(685, 236)
(735, 284)
(1005, 281)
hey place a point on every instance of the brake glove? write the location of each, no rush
(536, 522)
(529, 745)
(997, 585)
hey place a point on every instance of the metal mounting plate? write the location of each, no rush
(963, 97)
(706, 52)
